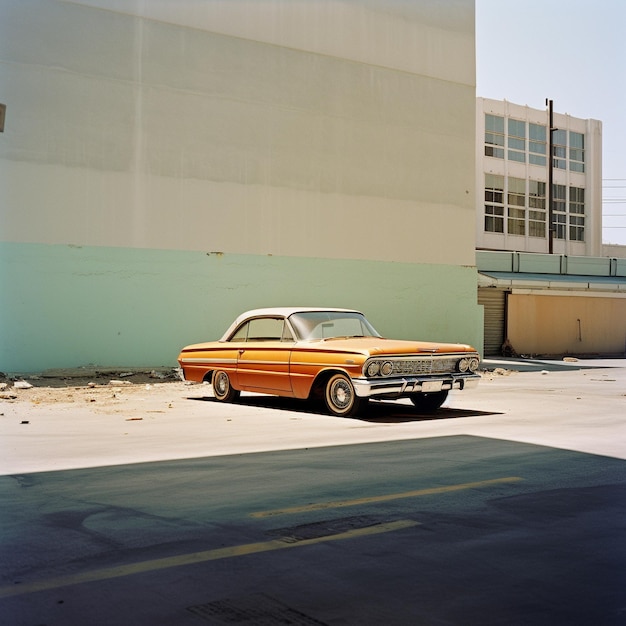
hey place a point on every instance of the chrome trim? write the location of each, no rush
(420, 364)
(381, 387)
(243, 362)
(206, 361)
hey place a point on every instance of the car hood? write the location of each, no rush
(377, 346)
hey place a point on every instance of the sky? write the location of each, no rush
(574, 53)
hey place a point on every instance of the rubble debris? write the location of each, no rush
(500, 371)
(22, 384)
(119, 383)
(8, 395)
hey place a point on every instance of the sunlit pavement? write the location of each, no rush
(579, 408)
(508, 507)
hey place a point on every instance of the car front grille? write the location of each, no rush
(411, 367)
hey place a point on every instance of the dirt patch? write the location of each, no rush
(86, 385)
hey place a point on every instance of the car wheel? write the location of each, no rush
(222, 389)
(428, 402)
(340, 397)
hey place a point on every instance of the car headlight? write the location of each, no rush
(463, 365)
(386, 368)
(473, 364)
(372, 369)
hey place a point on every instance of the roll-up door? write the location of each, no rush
(493, 302)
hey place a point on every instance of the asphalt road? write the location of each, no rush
(458, 529)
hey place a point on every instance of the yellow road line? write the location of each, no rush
(317, 506)
(196, 557)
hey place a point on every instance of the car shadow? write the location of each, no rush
(376, 411)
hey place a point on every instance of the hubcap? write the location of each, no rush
(222, 384)
(341, 394)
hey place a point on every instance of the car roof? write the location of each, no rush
(280, 311)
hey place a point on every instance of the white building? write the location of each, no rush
(512, 176)
(544, 294)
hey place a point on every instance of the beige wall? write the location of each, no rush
(615, 251)
(542, 324)
(426, 37)
(319, 129)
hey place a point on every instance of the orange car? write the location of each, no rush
(334, 354)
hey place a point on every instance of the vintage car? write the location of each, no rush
(330, 354)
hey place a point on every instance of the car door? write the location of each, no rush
(263, 358)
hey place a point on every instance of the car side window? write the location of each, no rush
(263, 329)
(241, 334)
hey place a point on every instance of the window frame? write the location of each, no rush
(495, 147)
(516, 140)
(494, 203)
(559, 211)
(286, 334)
(576, 213)
(516, 206)
(537, 214)
(576, 152)
(537, 144)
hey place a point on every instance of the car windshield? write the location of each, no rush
(316, 325)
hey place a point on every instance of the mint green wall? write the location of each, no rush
(68, 306)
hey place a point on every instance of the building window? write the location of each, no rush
(537, 149)
(516, 209)
(559, 211)
(494, 203)
(576, 152)
(559, 149)
(536, 208)
(517, 141)
(576, 214)
(494, 136)
(576, 228)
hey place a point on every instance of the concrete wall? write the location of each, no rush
(614, 250)
(524, 262)
(323, 134)
(70, 305)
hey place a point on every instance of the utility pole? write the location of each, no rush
(551, 129)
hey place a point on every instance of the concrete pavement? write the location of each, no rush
(576, 406)
(449, 519)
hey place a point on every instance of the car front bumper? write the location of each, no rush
(405, 385)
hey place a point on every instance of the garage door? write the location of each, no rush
(493, 302)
